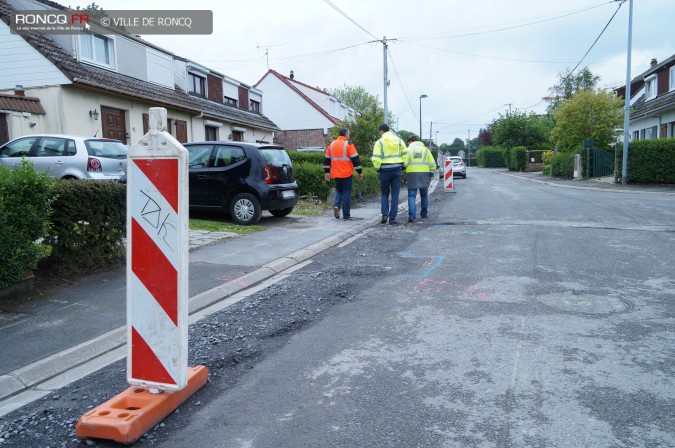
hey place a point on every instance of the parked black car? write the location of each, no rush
(241, 179)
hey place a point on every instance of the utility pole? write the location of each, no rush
(386, 79)
(626, 116)
(468, 157)
(431, 134)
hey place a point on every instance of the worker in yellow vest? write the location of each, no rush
(387, 160)
(420, 165)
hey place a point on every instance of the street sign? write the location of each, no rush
(157, 259)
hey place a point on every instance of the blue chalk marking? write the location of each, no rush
(428, 271)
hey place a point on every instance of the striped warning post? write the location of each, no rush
(447, 176)
(154, 266)
(157, 289)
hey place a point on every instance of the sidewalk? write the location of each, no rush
(221, 265)
(597, 184)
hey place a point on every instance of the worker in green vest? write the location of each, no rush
(420, 165)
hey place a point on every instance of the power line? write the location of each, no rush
(349, 18)
(449, 36)
(596, 41)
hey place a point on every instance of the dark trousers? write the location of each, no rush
(343, 195)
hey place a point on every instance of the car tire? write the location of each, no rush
(280, 213)
(245, 209)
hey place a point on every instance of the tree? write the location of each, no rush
(589, 114)
(568, 85)
(369, 116)
(485, 135)
(519, 129)
(457, 143)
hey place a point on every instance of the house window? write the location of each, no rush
(653, 132)
(230, 101)
(211, 133)
(255, 106)
(237, 136)
(650, 88)
(636, 135)
(642, 134)
(196, 84)
(97, 49)
(672, 77)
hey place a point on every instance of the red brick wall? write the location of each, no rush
(215, 88)
(243, 98)
(301, 138)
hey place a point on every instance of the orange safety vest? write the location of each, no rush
(340, 153)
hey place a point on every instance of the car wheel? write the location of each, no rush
(245, 209)
(280, 213)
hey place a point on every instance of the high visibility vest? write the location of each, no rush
(340, 153)
(418, 159)
(388, 150)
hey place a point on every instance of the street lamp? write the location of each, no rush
(421, 96)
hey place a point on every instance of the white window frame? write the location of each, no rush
(672, 78)
(651, 87)
(112, 50)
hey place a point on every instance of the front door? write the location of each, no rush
(114, 124)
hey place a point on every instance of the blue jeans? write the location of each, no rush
(424, 202)
(390, 181)
(343, 195)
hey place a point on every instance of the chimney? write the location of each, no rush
(292, 74)
(18, 90)
(654, 63)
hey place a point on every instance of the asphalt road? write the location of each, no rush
(519, 315)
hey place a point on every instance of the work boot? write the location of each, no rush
(336, 212)
(384, 219)
(411, 220)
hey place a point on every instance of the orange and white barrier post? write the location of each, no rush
(157, 292)
(447, 176)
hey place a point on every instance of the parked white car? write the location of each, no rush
(458, 167)
(68, 156)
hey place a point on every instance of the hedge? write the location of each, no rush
(25, 199)
(491, 157)
(518, 158)
(317, 158)
(649, 161)
(562, 164)
(311, 181)
(88, 225)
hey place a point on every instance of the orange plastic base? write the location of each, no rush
(132, 413)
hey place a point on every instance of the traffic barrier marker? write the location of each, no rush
(448, 181)
(157, 291)
(129, 415)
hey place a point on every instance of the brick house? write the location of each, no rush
(304, 113)
(652, 101)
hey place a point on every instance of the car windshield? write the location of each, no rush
(112, 149)
(276, 156)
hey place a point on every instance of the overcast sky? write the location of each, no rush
(471, 57)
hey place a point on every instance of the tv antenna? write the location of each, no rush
(267, 52)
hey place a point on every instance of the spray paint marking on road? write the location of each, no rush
(428, 285)
(439, 259)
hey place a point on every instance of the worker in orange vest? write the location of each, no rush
(339, 163)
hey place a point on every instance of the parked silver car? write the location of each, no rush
(458, 167)
(68, 156)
